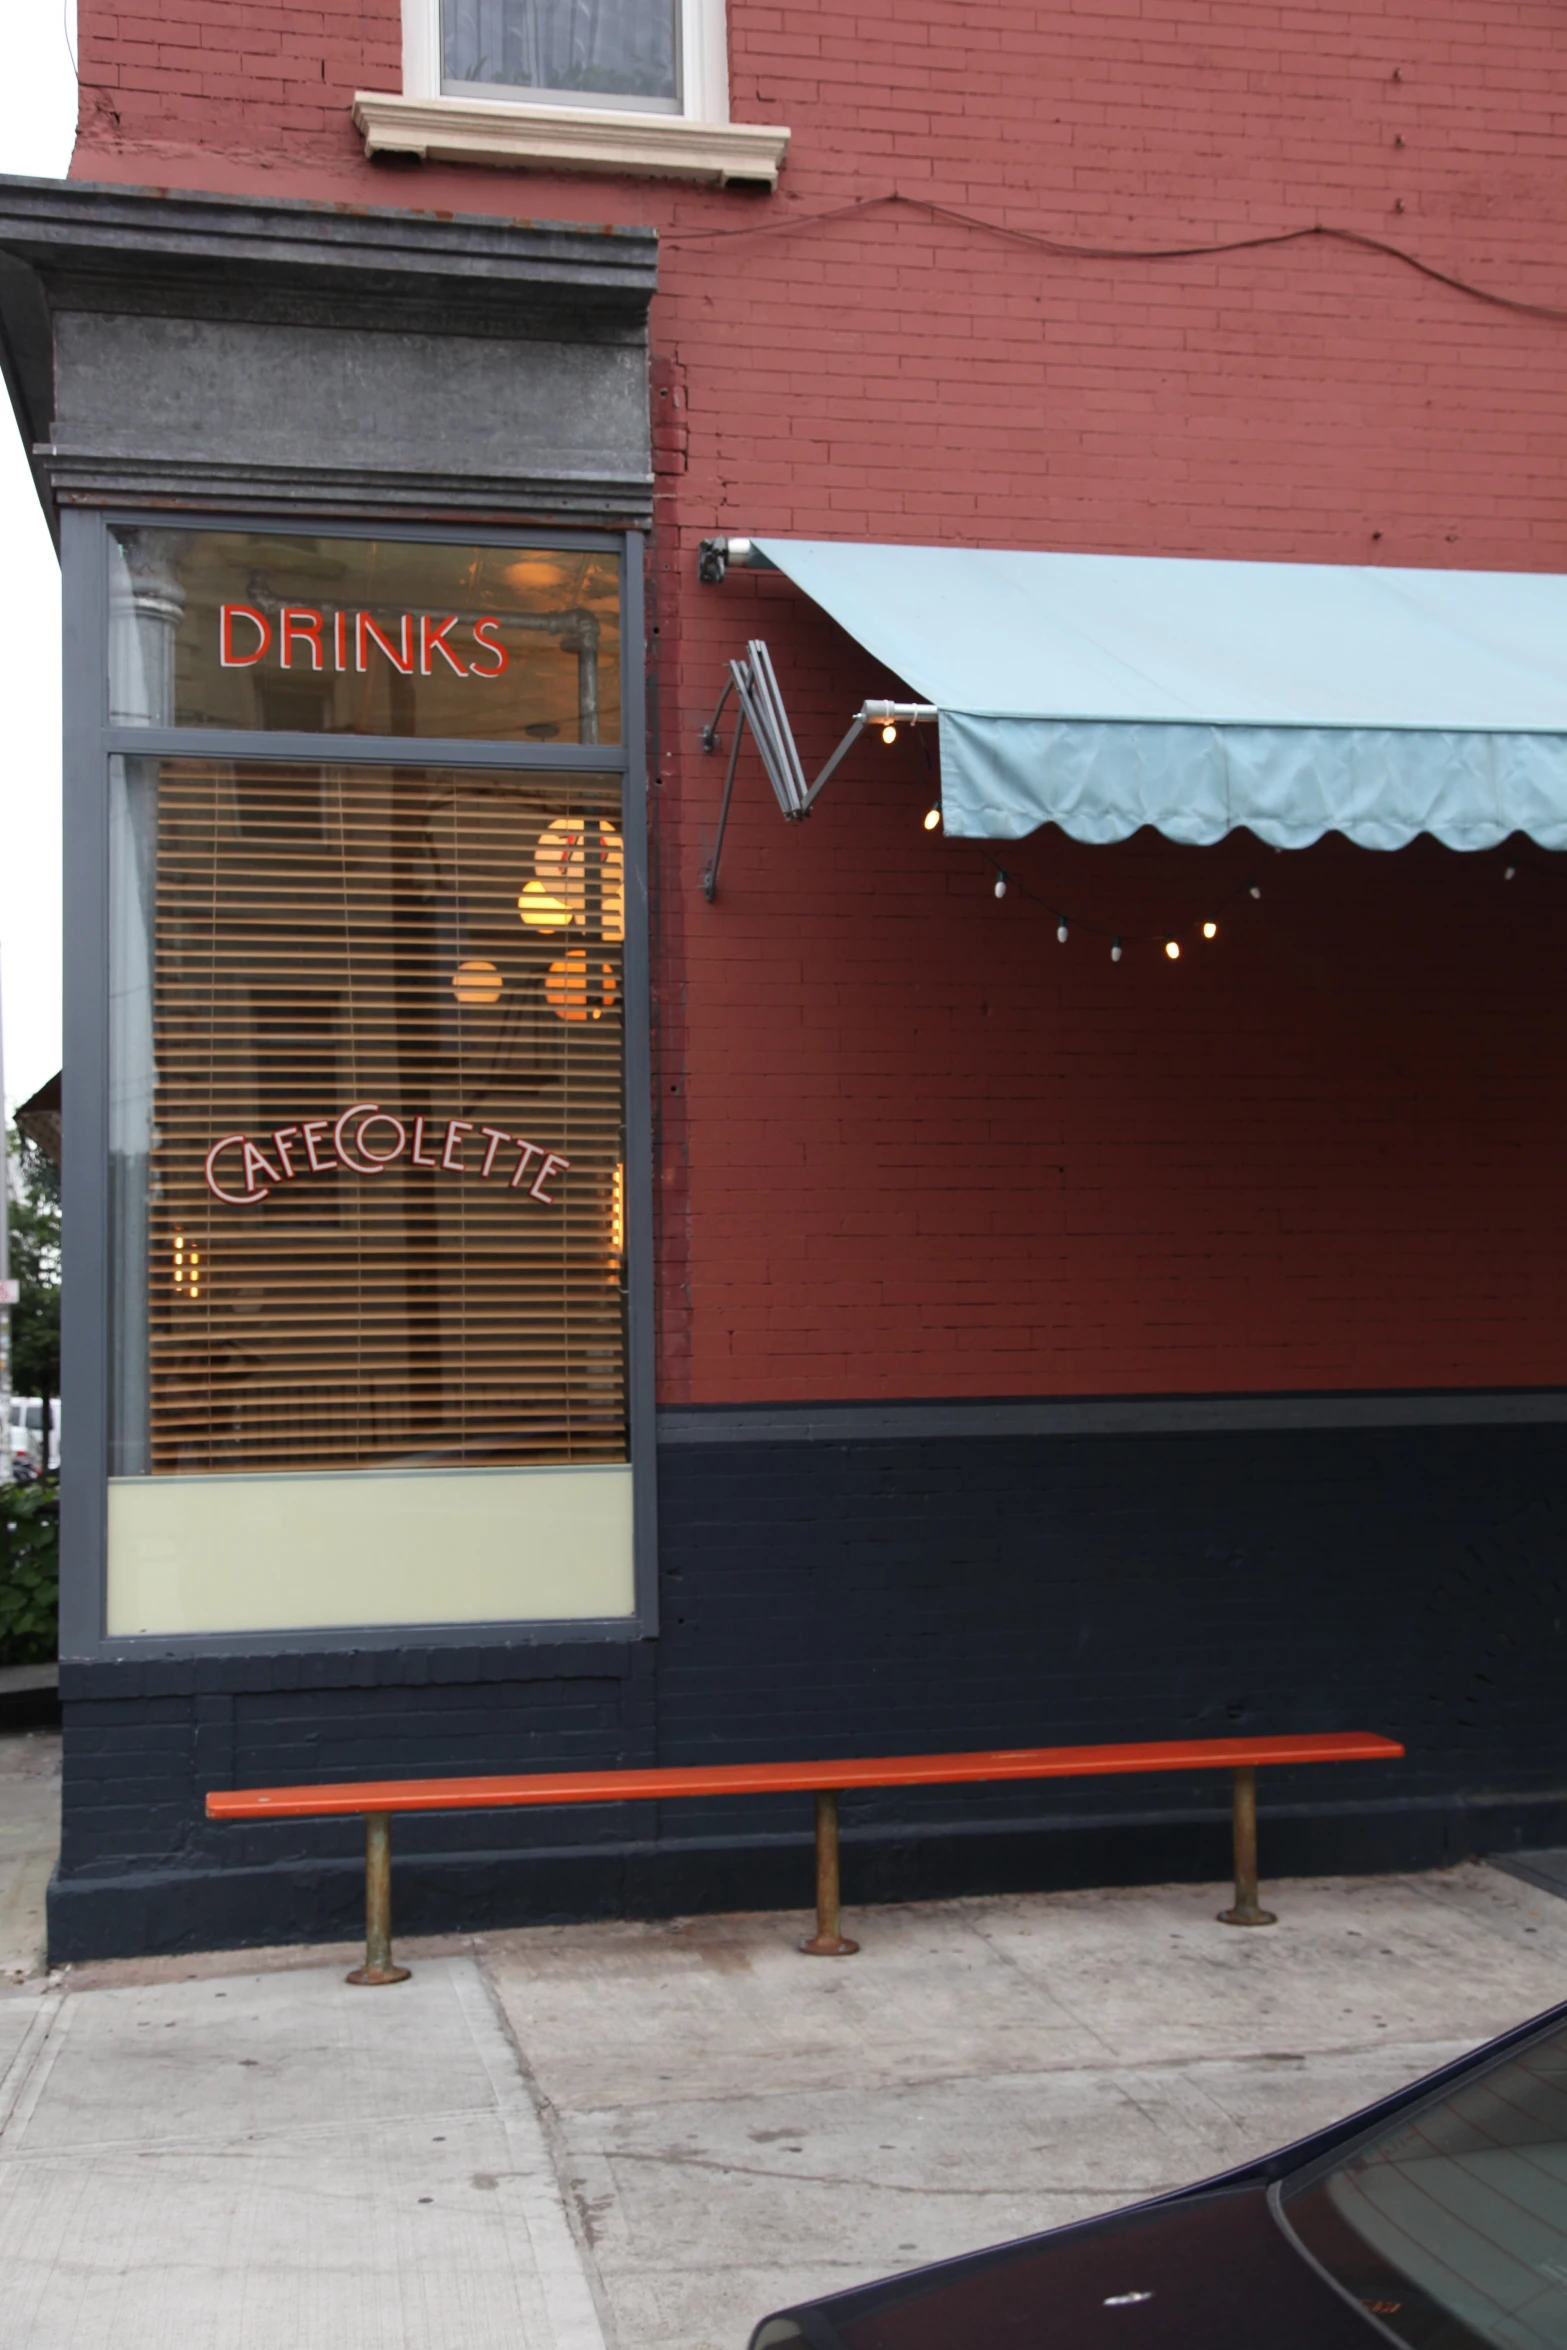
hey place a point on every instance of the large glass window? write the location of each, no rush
(368, 1345)
(364, 636)
(622, 53)
(382, 1086)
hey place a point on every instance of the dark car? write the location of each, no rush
(1436, 2219)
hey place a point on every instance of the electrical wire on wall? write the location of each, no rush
(1058, 249)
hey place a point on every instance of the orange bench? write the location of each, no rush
(377, 1799)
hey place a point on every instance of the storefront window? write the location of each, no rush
(368, 1336)
(363, 636)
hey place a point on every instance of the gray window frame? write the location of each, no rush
(89, 744)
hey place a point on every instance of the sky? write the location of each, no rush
(37, 121)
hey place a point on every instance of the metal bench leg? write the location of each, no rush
(1246, 1911)
(827, 1942)
(378, 1967)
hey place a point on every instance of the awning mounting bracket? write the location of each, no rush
(755, 683)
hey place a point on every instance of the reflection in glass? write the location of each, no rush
(593, 52)
(133, 823)
(367, 1139)
(1450, 2225)
(311, 635)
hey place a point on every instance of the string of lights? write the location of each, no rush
(1519, 862)
(1205, 928)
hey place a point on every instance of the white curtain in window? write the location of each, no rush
(602, 48)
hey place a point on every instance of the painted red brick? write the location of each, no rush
(909, 1145)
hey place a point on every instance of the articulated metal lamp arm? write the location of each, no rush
(762, 709)
(856, 729)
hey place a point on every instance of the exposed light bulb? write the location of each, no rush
(1210, 930)
(1252, 890)
(1172, 947)
(1508, 875)
(1115, 952)
(1061, 928)
(889, 733)
(932, 819)
(1001, 885)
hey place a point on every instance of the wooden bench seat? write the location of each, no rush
(378, 1799)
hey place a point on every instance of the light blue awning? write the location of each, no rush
(1105, 692)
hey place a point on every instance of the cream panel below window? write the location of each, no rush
(508, 133)
(302, 1553)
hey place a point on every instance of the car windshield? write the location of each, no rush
(1450, 2226)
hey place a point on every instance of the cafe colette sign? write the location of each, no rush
(369, 1147)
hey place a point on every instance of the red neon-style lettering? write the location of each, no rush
(433, 640)
(530, 1150)
(455, 1131)
(418, 1143)
(491, 644)
(257, 1163)
(236, 1199)
(227, 657)
(497, 1135)
(554, 1164)
(312, 1130)
(403, 660)
(297, 620)
(280, 1143)
(340, 640)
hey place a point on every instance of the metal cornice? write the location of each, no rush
(77, 226)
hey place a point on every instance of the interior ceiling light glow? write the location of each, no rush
(476, 983)
(541, 911)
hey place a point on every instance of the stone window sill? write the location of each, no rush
(570, 138)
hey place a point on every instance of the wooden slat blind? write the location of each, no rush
(338, 935)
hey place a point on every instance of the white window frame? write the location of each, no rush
(526, 130)
(704, 68)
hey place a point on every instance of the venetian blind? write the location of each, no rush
(386, 1180)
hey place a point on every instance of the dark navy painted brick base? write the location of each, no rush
(844, 1598)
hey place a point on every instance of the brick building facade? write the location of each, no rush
(1045, 1347)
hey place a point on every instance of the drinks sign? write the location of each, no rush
(366, 1140)
(343, 641)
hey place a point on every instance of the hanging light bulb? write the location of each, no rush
(1001, 885)
(1115, 951)
(933, 820)
(1061, 928)
(1210, 930)
(1172, 947)
(1508, 875)
(889, 733)
(1252, 890)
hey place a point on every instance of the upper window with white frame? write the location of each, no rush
(630, 56)
(639, 87)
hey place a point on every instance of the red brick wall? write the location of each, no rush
(909, 1144)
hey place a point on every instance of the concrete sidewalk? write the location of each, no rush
(645, 2136)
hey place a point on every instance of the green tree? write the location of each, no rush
(29, 1573)
(35, 1265)
(30, 1514)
